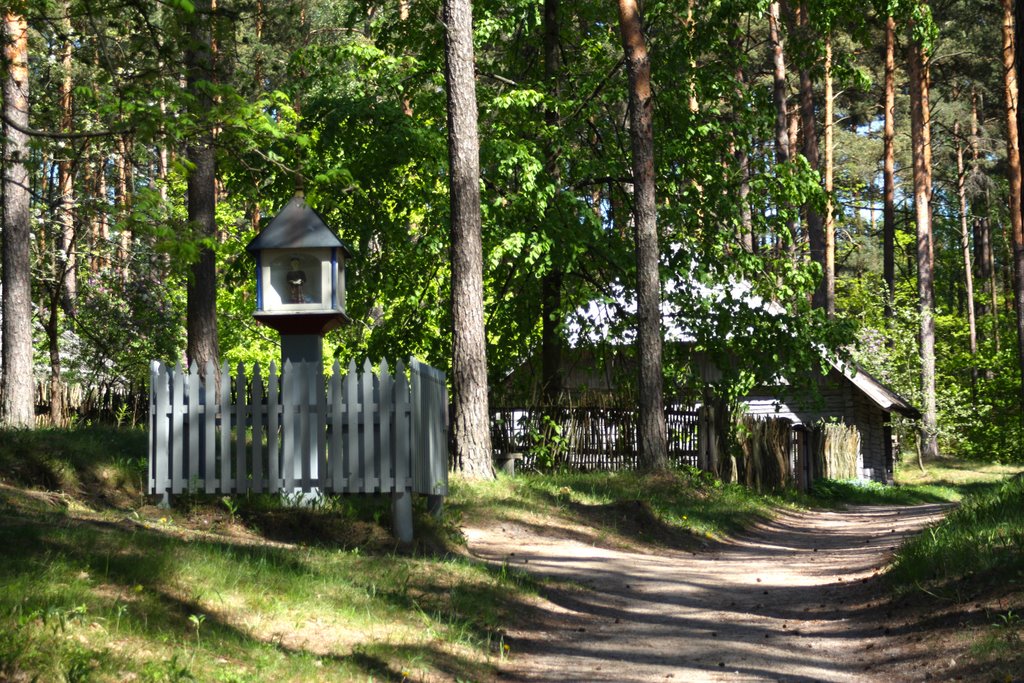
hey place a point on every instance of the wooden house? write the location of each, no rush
(843, 395)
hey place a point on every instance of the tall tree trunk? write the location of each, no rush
(653, 433)
(983, 235)
(778, 86)
(746, 236)
(471, 418)
(201, 292)
(17, 408)
(63, 292)
(58, 409)
(123, 202)
(782, 136)
(1013, 170)
(889, 169)
(921, 142)
(66, 185)
(808, 124)
(965, 244)
(551, 282)
(829, 277)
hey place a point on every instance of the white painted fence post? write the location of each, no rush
(192, 390)
(210, 427)
(160, 482)
(337, 452)
(177, 462)
(352, 423)
(241, 469)
(386, 458)
(273, 422)
(257, 429)
(225, 429)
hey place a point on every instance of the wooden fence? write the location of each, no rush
(586, 438)
(298, 432)
(105, 403)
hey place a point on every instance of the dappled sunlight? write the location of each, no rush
(781, 600)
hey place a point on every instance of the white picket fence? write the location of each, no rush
(353, 432)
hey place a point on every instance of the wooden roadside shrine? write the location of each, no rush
(301, 433)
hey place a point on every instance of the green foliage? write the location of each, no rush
(99, 461)
(351, 105)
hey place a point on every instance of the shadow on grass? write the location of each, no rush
(144, 578)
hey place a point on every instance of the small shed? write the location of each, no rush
(848, 395)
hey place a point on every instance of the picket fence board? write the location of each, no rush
(363, 431)
(225, 432)
(273, 422)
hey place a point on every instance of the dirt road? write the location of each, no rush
(797, 599)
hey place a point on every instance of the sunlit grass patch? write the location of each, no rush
(964, 475)
(680, 506)
(857, 492)
(116, 602)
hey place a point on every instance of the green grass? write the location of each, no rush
(683, 507)
(98, 584)
(973, 562)
(83, 462)
(984, 534)
(830, 493)
(122, 599)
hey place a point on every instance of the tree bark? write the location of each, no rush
(889, 169)
(470, 418)
(921, 143)
(17, 406)
(978, 210)
(66, 187)
(551, 282)
(123, 202)
(1013, 171)
(983, 257)
(778, 86)
(808, 124)
(746, 230)
(782, 135)
(965, 244)
(201, 292)
(653, 433)
(829, 277)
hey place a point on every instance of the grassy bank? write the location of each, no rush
(966, 574)
(99, 585)
(983, 535)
